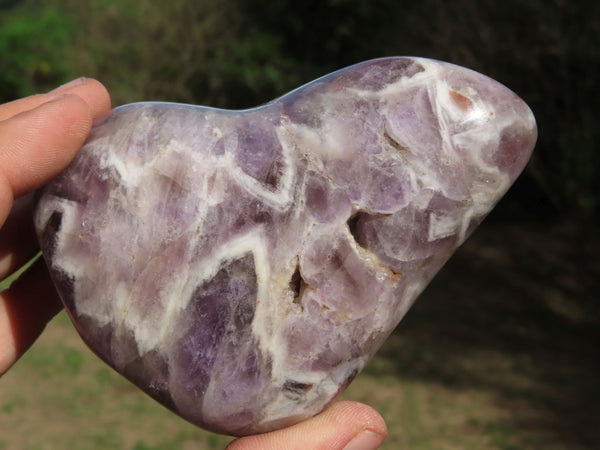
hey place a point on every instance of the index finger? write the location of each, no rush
(88, 89)
(36, 145)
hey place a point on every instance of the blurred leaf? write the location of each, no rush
(31, 45)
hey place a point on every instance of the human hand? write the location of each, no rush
(39, 136)
(343, 426)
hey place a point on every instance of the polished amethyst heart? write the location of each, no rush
(241, 267)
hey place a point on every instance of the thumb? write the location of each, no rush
(343, 426)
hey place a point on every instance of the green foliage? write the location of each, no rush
(5, 284)
(30, 51)
(60, 358)
(237, 54)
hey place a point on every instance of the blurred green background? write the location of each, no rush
(502, 349)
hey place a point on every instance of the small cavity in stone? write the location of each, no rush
(394, 143)
(297, 285)
(352, 223)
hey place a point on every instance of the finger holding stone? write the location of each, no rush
(37, 144)
(39, 134)
(344, 425)
(89, 89)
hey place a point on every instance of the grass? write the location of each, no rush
(499, 353)
(5, 284)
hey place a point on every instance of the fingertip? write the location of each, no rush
(363, 416)
(91, 91)
(341, 426)
(76, 117)
(68, 85)
(100, 102)
(73, 108)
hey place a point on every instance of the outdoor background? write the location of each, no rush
(500, 352)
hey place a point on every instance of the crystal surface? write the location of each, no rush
(241, 267)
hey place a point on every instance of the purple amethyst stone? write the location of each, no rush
(241, 267)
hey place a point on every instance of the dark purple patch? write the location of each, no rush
(259, 153)
(221, 307)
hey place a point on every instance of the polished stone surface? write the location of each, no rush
(241, 267)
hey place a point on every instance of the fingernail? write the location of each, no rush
(366, 440)
(68, 85)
